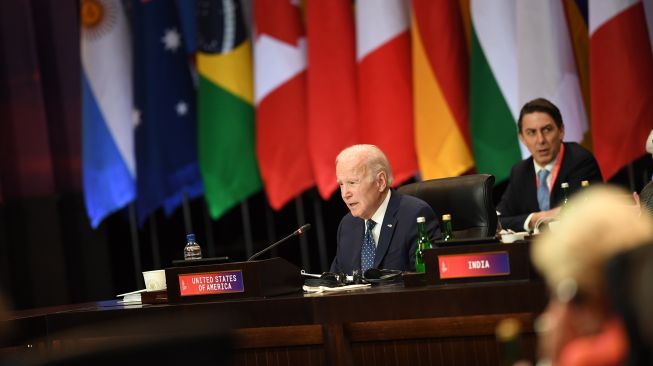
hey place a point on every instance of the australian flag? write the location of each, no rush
(164, 93)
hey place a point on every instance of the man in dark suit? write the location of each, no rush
(380, 230)
(534, 190)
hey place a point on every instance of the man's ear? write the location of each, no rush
(382, 181)
(562, 132)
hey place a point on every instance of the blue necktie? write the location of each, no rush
(369, 248)
(543, 190)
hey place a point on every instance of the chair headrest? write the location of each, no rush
(467, 198)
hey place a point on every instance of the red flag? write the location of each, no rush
(385, 88)
(280, 92)
(332, 107)
(621, 83)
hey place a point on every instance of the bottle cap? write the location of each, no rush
(446, 217)
(584, 183)
(190, 237)
(564, 185)
(508, 329)
(421, 219)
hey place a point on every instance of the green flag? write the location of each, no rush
(225, 106)
(493, 91)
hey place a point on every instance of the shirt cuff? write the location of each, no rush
(528, 222)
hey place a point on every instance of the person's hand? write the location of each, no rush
(537, 216)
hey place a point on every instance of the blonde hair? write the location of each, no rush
(373, 159)
(594, 226)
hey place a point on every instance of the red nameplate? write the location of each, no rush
(474, 265)
(210, 283)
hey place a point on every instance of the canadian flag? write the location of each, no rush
(384, 82)
(621, 82)
(332, 99)
(280, 95)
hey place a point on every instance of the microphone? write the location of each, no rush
(297, 232)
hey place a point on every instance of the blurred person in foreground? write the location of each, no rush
(628, 276)
(580, 326)
(534, 189)
(380, 230)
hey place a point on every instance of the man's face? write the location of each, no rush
(541, 136)
(361, 194)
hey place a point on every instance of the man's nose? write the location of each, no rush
(539, 137)
(344, 192)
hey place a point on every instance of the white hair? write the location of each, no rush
(595, 225)
(374, 160)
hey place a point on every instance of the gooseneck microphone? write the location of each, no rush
(297, 232)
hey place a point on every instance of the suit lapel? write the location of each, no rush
(387, 229)
(565, 167)
(531, 187)
(359, 234)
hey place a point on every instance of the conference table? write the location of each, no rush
(451, 324)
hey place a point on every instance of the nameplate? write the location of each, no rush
(210, 283)
(474, 265)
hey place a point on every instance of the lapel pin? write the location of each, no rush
(389, 225)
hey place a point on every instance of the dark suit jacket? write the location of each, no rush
(398, 239)
(520, 198)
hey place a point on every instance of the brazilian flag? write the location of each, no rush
(225, 106)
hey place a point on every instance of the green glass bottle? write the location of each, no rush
(423, 243)
(508, 336)
(447, 229)
(565, 193)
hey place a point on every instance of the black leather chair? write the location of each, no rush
(467, 198)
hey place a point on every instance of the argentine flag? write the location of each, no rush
(108, 161)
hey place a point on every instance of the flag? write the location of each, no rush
(225, 102)
(547, 67)
(440, 89)
(493, 87)
(332, 97)
(166, 145)
(280, 94)
(621, 83)
(384, 82)
(576, 14)
(520, 51)
(187, 12)
(108, 161)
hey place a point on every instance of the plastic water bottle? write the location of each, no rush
(192, 250)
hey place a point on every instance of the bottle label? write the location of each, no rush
(210, 283)
(474, 265)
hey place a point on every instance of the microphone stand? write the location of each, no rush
(297, 232)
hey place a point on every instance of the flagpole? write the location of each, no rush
(247, 228)
(154, 241)
(303, 242)
(319, 228)
(208, 229)
(188, 222)
(269, 225)
(136, 248)
(631, 177)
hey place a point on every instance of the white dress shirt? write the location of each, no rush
(378, 218)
